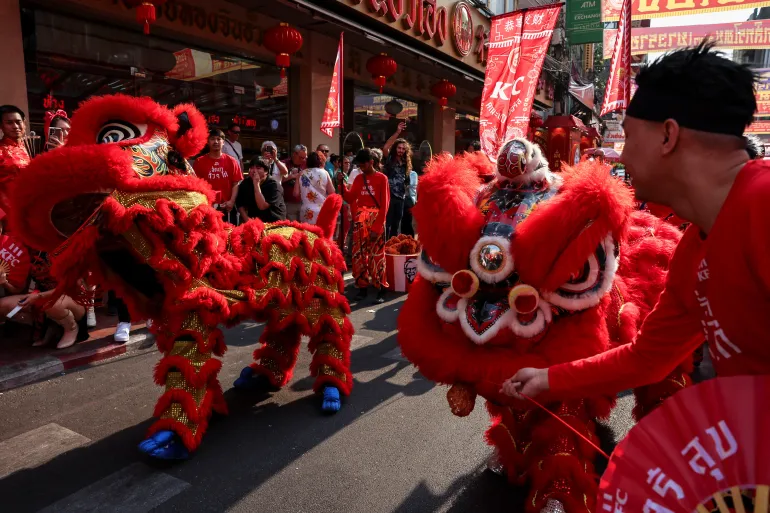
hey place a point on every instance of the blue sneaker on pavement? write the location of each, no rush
(165, 445)
(255, 383)
(331, 400)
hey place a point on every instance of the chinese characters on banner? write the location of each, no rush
(647, 9)
(333, 113)
(617, 95)
(517, 46)
(759, 127)
(763, 92)
(748, 35)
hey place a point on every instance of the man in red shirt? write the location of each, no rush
(694, 161)
(223, 172)
(369, 197)
(13, 153)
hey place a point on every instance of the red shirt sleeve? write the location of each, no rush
(669, 334)
(352, 193)
(237, 174)
(383, 198)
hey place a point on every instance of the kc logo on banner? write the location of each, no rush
(517, 48)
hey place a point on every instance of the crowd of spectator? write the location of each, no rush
(379, 188)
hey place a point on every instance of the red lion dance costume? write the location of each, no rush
(539, 269)
(121, 201)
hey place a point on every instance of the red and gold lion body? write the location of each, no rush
(531, 270)
(120, 201)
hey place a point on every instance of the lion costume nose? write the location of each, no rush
(523, 299)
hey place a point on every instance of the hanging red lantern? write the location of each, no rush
(535, 121)
(381, 67)
(443, 89)
(477, 102)
(283, 40)
(145, 11)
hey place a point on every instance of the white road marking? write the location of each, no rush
(136, 488)
(38, 446)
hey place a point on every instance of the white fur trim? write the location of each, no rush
(488, 335)
(504, 271)
(537, 326)
(432, 275)
(447, 315)
(590, 298)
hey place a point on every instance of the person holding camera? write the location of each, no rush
(295, 165)
(276, 169)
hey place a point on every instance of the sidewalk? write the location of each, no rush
(21, 364)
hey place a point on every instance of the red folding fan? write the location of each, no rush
(706, 449)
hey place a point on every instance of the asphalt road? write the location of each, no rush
(69, 443)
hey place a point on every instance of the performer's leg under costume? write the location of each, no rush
(189, 372)
(537, 448)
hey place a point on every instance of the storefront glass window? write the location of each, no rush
(69, 60)
(466, 131)
(377, 117)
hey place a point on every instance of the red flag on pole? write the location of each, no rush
(333, 113)
(518, 43)
(618, 92)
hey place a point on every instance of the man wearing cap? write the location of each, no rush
(694, 161)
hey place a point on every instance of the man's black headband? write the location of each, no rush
(653, 105)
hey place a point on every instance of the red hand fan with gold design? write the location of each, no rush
(706, 449)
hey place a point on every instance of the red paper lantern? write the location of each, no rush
(381, 67)
(535, 121)
(145, 11)
(443, 89)
(283, 40)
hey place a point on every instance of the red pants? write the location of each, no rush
(368, 255)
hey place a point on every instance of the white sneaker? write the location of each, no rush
(91, 317)
(122, 332)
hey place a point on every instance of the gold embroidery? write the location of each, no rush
(188, 200)
(328, 349)
(327, 370)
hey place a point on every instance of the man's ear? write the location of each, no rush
(191, 136)
(670, 136)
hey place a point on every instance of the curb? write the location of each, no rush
(37, 369)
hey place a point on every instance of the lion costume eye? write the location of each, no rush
(116, 131)
(590, 283)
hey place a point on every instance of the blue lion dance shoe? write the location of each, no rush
(165, 445)
(255, 383)
(331, 400)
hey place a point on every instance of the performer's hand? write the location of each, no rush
(229, 205)
(401, 126)
(461, 399)
(27, 301)
(528, 381)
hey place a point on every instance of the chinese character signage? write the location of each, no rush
(759, 127)
(647, 9)
(748, 35)
(763, 92)
(584, 21)
(518, 43)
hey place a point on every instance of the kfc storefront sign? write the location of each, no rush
(455, 28)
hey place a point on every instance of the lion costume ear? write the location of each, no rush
(192, 134)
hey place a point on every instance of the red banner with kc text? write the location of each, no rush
(518, 43)
(617, 94)
(333, 112)
(647, 9)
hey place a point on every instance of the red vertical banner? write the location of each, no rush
(617, 95)
(333, 112)
(518, 43)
